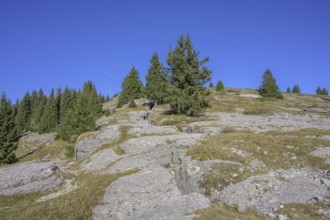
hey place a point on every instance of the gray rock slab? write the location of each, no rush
(96, 139)
(145, 144)
(150, 130)
(323, 152)
(99, 160)
(28, 177)
(268, 192)
(148, 194)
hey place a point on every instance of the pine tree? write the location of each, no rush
(42, 101)
(132, 88)
(79, 120)
(156, 81)
(318, 91)
(8, 132)
(211, 85)
(49, 118)
(296, 89)
(34, 106)
(268, 86)
(24, 113)
(220, 86)
(58, 98)
(66, 104)
(288, 90)
(187, 76)
(324, 91)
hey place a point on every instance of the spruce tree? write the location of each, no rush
(268, 86)
(8, 132)
(49, 118)
(58, 98)
(318, 91)
(211, 85)
(296, 89)
(24, 113)
(288, 90)
(42, 101)
(220, 86)
(66, 104)
(156, 81)
(324, 91)
(187, 76)
(132, 88)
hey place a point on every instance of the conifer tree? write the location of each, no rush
(42, 100)
(324, 91)
(8, 132)
(220, 86)
(318, 91)
(156, 81)
(107, 99)
(58, 98)
(33, 107)
(66, 104)
(187, 76)
(132, 88)
(288, 90)
(49, 118)
(211, 85)
(268, 86)
(24, 113)
(296, 89)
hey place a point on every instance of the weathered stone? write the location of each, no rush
(28, 177)
(94, 140)
(100, 160)
(150, 130)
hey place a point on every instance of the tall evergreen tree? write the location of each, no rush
(156, 81)
(33, 107)
(220, 86)
(66, 104)
(24, 113)
(132, 87)
(296, 89)
(58, 98)
(49, 118)
(42, 101)
(318, 91)
(8, 132)
(288, 90)
(268, 86)
(187, 76)
(211, 85)
(324, 91)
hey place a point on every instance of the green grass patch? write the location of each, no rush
(77, 204)
(224, 212)
(303, 211)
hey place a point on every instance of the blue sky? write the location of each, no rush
(49, 44)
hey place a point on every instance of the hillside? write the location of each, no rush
(246, 157)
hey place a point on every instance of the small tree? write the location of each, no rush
(132, 88)
(220, 86)
(324, 91)
(132, 104)
(318, 91)
(268, 86)
(288, 90)
(296, 89)
(156, 81)
(187, 76)
(211, 85)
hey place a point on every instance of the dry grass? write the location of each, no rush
(77, 204)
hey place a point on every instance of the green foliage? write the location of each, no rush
(156, 81)
(211, 85)
(66, 104)
(220, 86)
(69, 151)
(83, 115)
(132, 104)
(48, 121)
(24, 113)
(8, 132)
(268, 86)
(296, 89)
(187, 76)
(288, 90)
(132, 88)
(324, 91)
(58, 98)
(320, 91)
(38, 112)
(107, 99)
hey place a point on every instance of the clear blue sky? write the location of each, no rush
(51, 44)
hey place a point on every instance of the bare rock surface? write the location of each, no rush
(151, 130)
(32, 142)
(94, 140)
(149, 194)
(268, 192)
(28, 177)
(281, 122)
(99, 160)
(323, 152)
